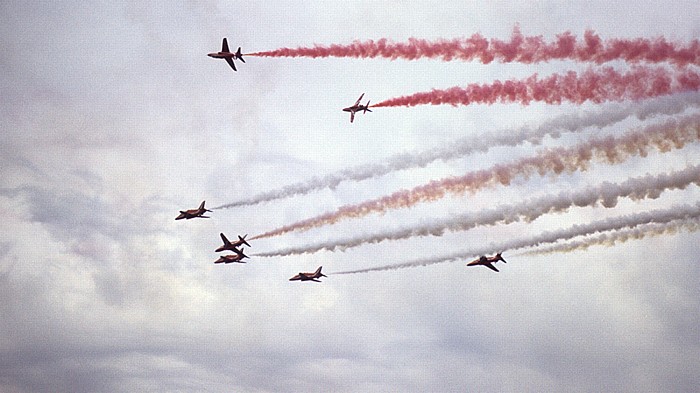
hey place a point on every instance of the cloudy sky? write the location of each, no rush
(113, 119)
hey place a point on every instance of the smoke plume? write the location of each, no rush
(521, 49)
(606, 194)
(593, 85)
(614, 113)
(671, 134)
(610, 239)
(684, 213)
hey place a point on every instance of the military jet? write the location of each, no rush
(232, 246)
(309, 276)
(487, 261)
(238, 257)
(194, 213)
(226, 54)
(357, 107)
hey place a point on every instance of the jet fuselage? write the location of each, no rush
(222, 55)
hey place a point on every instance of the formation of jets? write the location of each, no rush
(228, 246)
(357, 107)
(225, 53)
(237, 245)
(239, 255)
(487, 261)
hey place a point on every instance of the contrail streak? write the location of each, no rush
(684, 213)
(606, 194)
(674, 133)
(592, 85)
(691, 224)
(615, 113)
(521, 49)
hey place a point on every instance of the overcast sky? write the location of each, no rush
(113, 119)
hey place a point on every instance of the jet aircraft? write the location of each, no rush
(487, 261)
(194, 213)
(357, 107)
(232, 246)
(227, 54)
(309, 276)
(238, 257)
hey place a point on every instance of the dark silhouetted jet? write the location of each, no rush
(238, 257)
(309, 276)
(226, 54)
(487, 261)
(357, 107)
(232, 246)
(194, 213)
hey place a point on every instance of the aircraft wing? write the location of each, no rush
(225, 239)
(224, 45)
(490, 266)
(230, 62)
(352, 116)
(359, 99)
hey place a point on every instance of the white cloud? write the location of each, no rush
(114, 119)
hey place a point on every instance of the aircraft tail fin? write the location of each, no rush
(201, 206)
(240, 253)
(239, 56)
(367, 107)
(242, 239)
(318, 272)
(500, 258)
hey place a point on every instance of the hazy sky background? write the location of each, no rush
(113, 119)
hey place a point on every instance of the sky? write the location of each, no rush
(114, 119)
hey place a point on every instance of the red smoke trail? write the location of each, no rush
(521, 49)
(674, 133)
(591, 85)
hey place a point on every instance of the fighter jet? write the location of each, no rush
(357, 107)
(487, 261)
(238, 257)
(232, 246)
(226, 54)
(194, 213)
(309, 276)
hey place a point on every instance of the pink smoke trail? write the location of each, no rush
(605, 194)
(521, 49)
(674, 133)
(592, 85)
(574, 122)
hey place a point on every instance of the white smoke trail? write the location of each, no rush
(661, 216)
(674, 133)
(606, 194)
(691, 224)
(667, 105)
